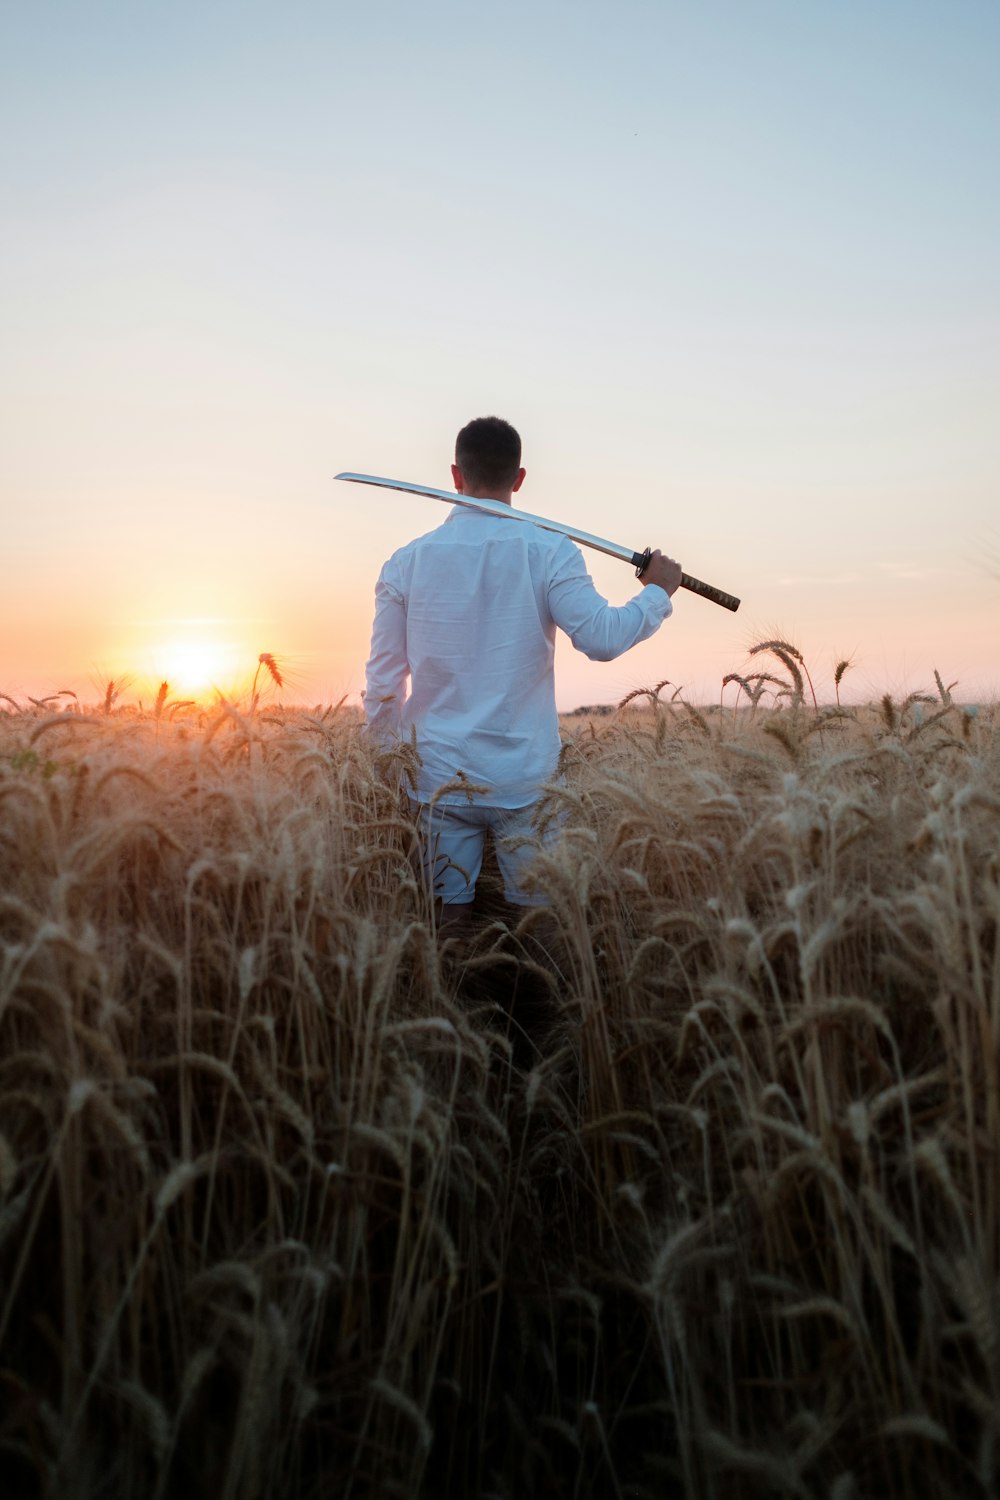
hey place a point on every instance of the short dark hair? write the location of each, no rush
(488, 452)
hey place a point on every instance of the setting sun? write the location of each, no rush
(195, 667)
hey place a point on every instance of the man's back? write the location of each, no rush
(470, 612)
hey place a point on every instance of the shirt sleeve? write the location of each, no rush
(387, 669)
(601, 630)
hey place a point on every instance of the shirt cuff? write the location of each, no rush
(656, 601)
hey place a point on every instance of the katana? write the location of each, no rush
(639, 560)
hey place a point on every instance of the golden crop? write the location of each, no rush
(290, 1206)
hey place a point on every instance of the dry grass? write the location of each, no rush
(287, 1207)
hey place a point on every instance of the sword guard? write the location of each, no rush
(641, 560)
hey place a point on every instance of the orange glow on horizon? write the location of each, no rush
(195, 668)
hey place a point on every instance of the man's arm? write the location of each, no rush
(601, 630)
(387, 669)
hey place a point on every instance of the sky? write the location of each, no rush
(731, 268)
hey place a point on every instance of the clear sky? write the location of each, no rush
(732, 268)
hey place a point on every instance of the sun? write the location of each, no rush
(195, 667)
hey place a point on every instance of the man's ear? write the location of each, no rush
(457, 479)
(518, 482)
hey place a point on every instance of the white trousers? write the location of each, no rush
(453, 838)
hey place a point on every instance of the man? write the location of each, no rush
(469, 614)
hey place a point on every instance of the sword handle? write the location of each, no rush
(640, 561)
(708, 591)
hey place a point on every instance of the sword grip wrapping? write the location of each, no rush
(640, 561)
(707, 591)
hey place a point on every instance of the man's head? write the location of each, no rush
(488, 459)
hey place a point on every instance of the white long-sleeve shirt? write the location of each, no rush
(469, 613)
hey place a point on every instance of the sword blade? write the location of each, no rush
(585, 538)
(500, 508)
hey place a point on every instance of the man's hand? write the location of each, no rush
(663, 571)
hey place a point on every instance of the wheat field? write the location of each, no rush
(687, 1186)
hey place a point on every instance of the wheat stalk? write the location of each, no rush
(300, 1198)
